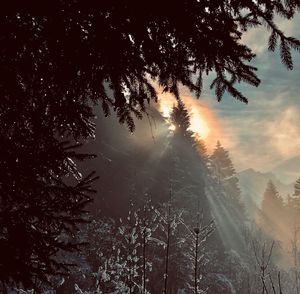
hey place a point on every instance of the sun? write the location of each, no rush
(204, 123)
(199, 125)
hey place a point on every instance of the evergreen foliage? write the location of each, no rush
(71, 48)
(59, 58)
(180, 119)
(224, 173)
(43, 198)
(272, 204)
(293, 206)
(294, 200)
(272, 200)
(221, 164)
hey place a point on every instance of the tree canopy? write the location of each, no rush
(67, 49)
(59, 58)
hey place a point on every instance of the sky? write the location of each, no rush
(266, 131)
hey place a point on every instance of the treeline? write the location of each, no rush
(177, 224)
(275, 209)
(186, 232)
(280, 219)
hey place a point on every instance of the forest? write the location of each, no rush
(108, 185)
(181, 224)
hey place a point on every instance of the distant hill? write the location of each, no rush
(288, 170)
(253, 184)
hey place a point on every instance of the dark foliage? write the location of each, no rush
(40, 207)
(180, 119)
(70, 48)
(56, 60)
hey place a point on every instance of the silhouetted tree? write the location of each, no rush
(202, 150)
(263, 254)
(272, 200)
(295, 258)
(74, 47)
(42, 200)
(59, 57)
(293, 205)
(224, 173)
(272, 210)
(147, 228)
(169, 219)
(180, 119)
(221, 164)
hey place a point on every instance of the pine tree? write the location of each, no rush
(221, 164)
(297, 188)
(180, 119)
(43, 200)
(43, 193)
(272, 209)
(224, 173)
(60, 58)
(77, 47)
(294, 200)
(202, 150)
(271, 199)
(293, 206)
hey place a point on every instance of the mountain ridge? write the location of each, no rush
(289, 169)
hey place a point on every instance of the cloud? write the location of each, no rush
(251, 39)
(265, 132)
(284, 132)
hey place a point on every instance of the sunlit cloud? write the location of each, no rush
(284, 132)
(264, 133)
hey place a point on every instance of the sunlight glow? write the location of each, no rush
(199, 125)
(172, 127)
(165, 109)
(204, 122)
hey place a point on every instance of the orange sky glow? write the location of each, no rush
(203, 121)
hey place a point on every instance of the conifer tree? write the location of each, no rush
(224, 173)
(271, 200)
(221, 164)
(58, 58)
(294, 200)
(297, 188)
(292, 207)
(202, 150)
(272, 209)
(180, 119)
(76, 47)
(43, 199)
